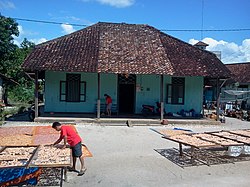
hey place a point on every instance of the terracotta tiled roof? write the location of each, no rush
(200, 43)
(240, 71)
(124, 48)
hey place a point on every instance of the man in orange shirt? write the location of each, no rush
(108, 104)
(70, 136)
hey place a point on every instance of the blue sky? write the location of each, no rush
(162, 14)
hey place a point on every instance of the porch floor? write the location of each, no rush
(120, 120)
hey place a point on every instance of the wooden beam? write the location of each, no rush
(98, 96)
(36, 94)
(161, 97)
(217, 99)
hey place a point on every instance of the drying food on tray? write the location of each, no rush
(86, 152)
(169, 132)
(43, 139)
(236, 137)
(15, 156)
(50, 155)
(16, 140)
(11, 131)
(216, 139)
(242, 132)
(45, 130)
(191, 140)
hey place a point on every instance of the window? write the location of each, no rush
(73, 89)
(243, 86)
(176, 90)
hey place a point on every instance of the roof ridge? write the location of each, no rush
(120, 23)
(238, 63)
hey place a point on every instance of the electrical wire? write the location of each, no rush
(168, 30)
(50, 22)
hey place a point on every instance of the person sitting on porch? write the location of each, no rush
(69, 135)
(108, 104)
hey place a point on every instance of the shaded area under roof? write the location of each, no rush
(124, 48)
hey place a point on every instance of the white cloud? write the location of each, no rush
(115, 3)
(18, 39)
(20, 29)
(7, 5)
(230, 51)
(17, 42)
(67, 29)
(27, 34)
(38, 40)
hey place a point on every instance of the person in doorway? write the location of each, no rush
(108, 104)
(70, 136)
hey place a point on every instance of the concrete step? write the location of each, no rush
(127, 121)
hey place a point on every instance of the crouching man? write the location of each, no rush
(68, 134)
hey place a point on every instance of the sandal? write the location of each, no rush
(82, 172)
(70, 169)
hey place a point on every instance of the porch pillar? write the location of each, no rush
(217, 99)
(98, 97)
(36, 94)
(161, 98)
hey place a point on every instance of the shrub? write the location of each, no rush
(21, 94)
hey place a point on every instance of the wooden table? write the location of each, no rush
(204, 140)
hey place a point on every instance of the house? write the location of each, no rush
(135, 64)
(201, 45)
(237, 89)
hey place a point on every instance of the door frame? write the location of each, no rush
(118, 92)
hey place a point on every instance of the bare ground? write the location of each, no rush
(127, 156)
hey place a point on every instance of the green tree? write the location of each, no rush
(24, 92)
(11, 59)
(8, 29)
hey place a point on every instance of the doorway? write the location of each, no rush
(126, 91)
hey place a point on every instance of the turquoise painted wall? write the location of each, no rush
(52, 92)
(108, 86)
(147, 92)
(193, 98)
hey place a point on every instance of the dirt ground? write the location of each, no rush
(127, 156)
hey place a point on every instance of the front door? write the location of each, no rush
(126, 91)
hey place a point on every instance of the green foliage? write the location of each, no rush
(8, 29)
(21, 94)
(11, 59)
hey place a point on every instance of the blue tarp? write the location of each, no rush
(11, 174)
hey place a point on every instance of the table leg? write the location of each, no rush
(61, 179)
(180, 148)
(192, 154)
(65, 175)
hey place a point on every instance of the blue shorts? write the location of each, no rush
(77, 150)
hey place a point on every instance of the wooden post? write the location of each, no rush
(218, 99)
(180, 149)
(161, 97)
(98, 97)
(36, 94)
